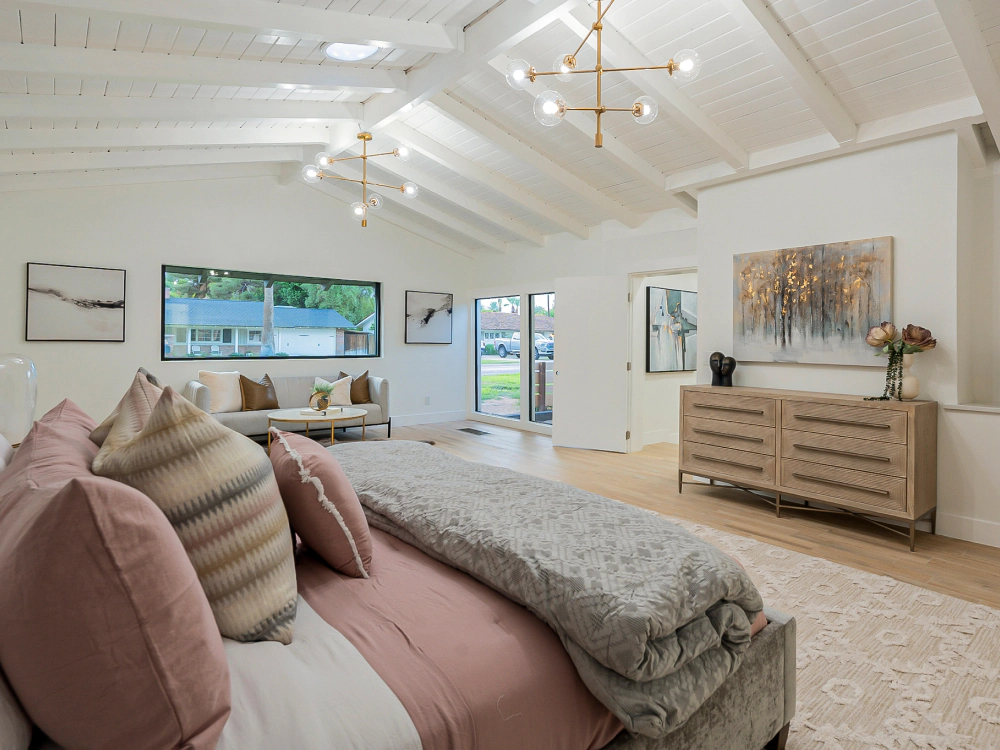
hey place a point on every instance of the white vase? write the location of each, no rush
(18, 392)
(909, 389)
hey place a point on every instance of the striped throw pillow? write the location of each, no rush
(218, 490)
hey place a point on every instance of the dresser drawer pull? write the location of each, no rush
(727, 435)
(831, 420)
(834, 482)
(724, 461)
(730, 408)
(836, 452)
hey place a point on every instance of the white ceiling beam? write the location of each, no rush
(960, 21)
(940, 118)
(462, 200)
(481, 238)
(472, 171)
(112, 65)
(787, 58)
(971, 139)
(265, 18)
(625, 157)
(342, 195)
(33, 106)
(623, 54)
(35, 163)
(506, 25)
(461, 114)
(64, 180)
(36, 139)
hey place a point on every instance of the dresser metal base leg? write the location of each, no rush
(680, 482)
(913, 535)
(777, 505)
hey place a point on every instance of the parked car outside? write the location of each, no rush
(543, 347)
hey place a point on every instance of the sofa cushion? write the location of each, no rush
(224, 391)
(258, 396)
(322, 506)
(108, 641)
(359, 388)
(217, 488)
(130, 415)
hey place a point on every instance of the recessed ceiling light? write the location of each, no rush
(349, 52)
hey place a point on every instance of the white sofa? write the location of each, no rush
(292, 393)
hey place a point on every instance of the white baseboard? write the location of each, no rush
(404, 420)
(660, 436)
(969, 529)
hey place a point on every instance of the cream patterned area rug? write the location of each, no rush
(881, 664)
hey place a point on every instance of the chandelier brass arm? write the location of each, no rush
(313, 173)
(550, 107)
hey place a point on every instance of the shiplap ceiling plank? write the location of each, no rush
(34, 163)
(161, 106)
(253, 17)
(784, 55)
(112, 177)
(474, 121)
(621, 53)
(960, 20)
(36, 59)
(114, 136)
(443, 155)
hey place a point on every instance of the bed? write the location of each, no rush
(423, 656)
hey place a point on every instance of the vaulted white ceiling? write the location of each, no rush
(118, 91)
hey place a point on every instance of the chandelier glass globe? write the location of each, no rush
(550, 108)
(375, 201)
(688, 64)
(518, 74)
(645, 110)
(403, 153)
(565, 64)
(359, 211)
(323, 160)
(311, 173)
(410, 190)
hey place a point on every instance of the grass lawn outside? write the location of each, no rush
(504, 385)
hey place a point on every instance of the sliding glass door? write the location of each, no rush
(543, 319)
(498, 364)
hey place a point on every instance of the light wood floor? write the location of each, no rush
(649, 479)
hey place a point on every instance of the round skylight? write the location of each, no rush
(349, 52)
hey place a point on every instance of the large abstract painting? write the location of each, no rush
(75, 303)
(812, 304)
(428, 317)
(672, 335)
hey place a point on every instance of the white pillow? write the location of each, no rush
(341, 395)
(224, 391)
(6, 453)
(15, 729)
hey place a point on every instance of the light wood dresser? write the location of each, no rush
(868, 458)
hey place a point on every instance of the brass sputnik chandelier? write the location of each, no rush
(359, 211)
(550, 107)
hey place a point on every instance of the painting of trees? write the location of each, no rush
(811, 304)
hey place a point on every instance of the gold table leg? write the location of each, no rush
(333, 433)
(364, 424)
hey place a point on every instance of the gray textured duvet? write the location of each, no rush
(654, 618)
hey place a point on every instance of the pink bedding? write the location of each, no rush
(473, 670)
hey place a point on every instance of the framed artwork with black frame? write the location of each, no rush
(429, 317)
(672, 330)
(74, 303)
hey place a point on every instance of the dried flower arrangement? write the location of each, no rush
(887, 339)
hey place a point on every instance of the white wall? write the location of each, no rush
(658, 393)
(248, 224)
(911, 192)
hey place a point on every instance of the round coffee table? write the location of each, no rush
(331, 418)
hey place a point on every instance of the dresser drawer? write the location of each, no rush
(849, 453)
(874, 490)
(845, 421)
(725, 462)
(730, 408)
(744, 437)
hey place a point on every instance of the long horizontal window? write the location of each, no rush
(210, 313)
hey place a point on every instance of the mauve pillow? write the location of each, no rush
(322, 506)
(107, 638)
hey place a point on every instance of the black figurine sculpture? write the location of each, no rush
(722, 369)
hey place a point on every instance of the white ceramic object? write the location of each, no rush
(18, 396)
(910, 387)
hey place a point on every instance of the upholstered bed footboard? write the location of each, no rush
(751, 707)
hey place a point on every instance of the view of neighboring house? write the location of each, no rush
(502, 325)
(209, 327)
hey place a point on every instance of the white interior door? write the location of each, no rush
(590, 396)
